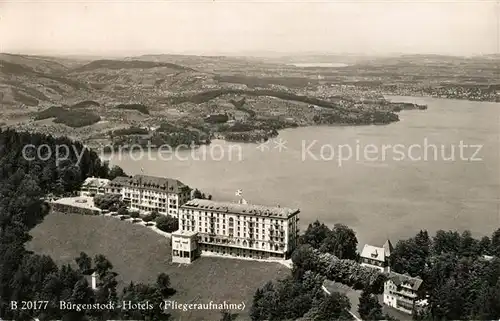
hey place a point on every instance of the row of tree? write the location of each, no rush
(347, 272)
(299, 299)
(411, 255)
(198, 194)
(461, 274)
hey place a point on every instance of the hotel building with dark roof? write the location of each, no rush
(148, 193)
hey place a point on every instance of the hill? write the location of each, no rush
(184, 90)
(128, 64)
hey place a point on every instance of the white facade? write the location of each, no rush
(241, 229)
(377, 257)
(184, 247)
(93, 186)
(147, 193)
(94, 281)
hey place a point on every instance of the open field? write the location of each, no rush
(354, 295)
(139, 254)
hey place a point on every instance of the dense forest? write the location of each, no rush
(26, 276)
(68, 117)
(166, 135)
(139, 107)
(86, 104)
(460, 282)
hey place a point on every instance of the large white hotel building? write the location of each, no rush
(236, 229)
(148, 193)
(225, 228)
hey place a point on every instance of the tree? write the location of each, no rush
(286, 299)
(331, 307)
(304, 259)
(102, 265)
(484, 246)
(167, 223)
(315, 234)
(423, 241)
(197, 193)
(151, 216)
(104, 170)
(116, 171)
(122, 210)
(446, 242)
(163, 284)
(495, 243)
(257, 311)
(84, 263)
(408, 257)
(341, 242)
(81, 292)
(144, 293)
(468, 245)
(108, 201)
(226, 316)
(369, 308)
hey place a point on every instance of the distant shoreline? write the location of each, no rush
(319, 64)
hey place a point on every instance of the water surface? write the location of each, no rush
(379, 198)
(320, 64)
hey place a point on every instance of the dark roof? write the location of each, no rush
(403, 279)
(241, 209)
(160, 184)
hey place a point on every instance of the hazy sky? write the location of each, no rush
(216, 27)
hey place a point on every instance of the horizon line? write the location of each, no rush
(255, 54)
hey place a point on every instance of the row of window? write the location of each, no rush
(183, 222)
(373, 262)
(231, 222)
(185, 254)
(255, 244)
(240, 252)
(154, 198)
(151, 208)
(243, 217)
(231, 233)
(149, 192)
(153, 204)
(403, 295)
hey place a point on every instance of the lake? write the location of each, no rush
(392, 192)
(319, 64)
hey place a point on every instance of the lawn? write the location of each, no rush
(139, 254)
(354, 295)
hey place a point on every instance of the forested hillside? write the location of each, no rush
(26, 276)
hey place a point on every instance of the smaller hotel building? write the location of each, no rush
(94, 186)
(402, 291)
(235, 229)
(149, 193)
